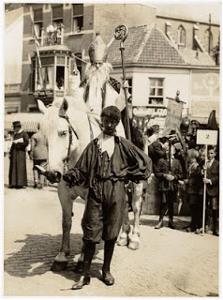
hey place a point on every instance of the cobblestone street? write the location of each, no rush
(168, 263)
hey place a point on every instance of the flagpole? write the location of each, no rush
(205, 188)
(37, 52)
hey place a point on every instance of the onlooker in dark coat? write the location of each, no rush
(168, 174)
(195, 192)
(212, 184)
(157, 150)
(17, 156)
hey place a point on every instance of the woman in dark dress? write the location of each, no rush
(17, 156)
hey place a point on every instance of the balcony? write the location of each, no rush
(53, 35)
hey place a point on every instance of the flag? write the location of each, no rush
(37, 44)
(212, 122)
(174, 114)
(35, 35)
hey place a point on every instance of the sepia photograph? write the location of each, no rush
(111, 123)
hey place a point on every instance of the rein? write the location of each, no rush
(70, 130)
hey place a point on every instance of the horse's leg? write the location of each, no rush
(126, 228)
(137, 198)
(65, 197)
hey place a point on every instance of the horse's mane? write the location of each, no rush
(137, 137)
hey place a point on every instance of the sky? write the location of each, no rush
(195, 10)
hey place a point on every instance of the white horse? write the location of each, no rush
(69, 127)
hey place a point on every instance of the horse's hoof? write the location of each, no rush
(122, 242)
(133, 245)
(79, 268)
(61, 257)
(67, 253)
(59, 266)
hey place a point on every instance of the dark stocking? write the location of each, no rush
(89, 250)
(108, 253)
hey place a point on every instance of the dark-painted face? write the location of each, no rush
(109, 125)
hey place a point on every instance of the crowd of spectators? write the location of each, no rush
(182, 170)
(179, 164)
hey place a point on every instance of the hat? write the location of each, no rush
(16, 124)
(97, 50)
(195, 122)
(112, 112)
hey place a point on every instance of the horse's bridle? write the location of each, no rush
(70, 130)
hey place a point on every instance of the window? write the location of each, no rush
(156, 91)
(57, 15)
(129, 80)
(60, 78)
(38, 21)
(181, 36)
(78, 17)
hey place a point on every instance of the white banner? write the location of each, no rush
(207, 137)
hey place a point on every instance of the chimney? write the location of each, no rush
(167, 28)
(195, 32)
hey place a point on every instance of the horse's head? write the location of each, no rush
(60, 136)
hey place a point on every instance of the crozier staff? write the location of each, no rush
(104, 167)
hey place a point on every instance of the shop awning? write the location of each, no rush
(29, 121)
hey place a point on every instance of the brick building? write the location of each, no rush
(163, 53)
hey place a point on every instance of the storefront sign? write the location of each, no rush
(145, 117)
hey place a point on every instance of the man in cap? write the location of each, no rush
(17, 155)
(157, 149)
(168, 170)
(105, 165)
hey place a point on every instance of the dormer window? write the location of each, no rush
(181, 33)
